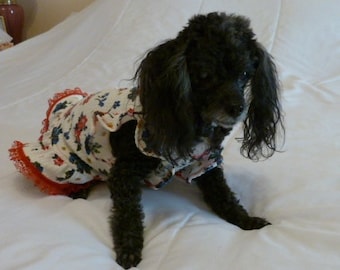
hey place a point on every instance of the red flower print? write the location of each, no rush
(79, 128)
(57, 160)
(87, 99)
(131, 112)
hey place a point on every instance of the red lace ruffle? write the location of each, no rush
(29, 170)
(24, 165)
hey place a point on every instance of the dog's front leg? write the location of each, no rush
(222, 200)
(127, 215)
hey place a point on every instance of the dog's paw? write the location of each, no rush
(129, 259)
(254, 223)
(82, 194)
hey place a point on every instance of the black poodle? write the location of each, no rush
(191, 91)
(195, 88)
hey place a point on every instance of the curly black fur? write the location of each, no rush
(206, 68)
(198, 85)
(223, 202)
(131, 167)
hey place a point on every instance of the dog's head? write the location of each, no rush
(214, 73)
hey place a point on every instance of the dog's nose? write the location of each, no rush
(235, 110)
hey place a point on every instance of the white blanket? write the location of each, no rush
(297, 190)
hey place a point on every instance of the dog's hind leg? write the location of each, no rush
(223, 202)
(83, 193)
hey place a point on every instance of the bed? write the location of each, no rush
(297, 190)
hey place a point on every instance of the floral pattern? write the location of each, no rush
(74, 144)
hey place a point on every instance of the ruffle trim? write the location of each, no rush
(55, 100)
(24, 165)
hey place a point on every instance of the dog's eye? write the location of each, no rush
(244, 76)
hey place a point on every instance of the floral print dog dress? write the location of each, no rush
(73, 151)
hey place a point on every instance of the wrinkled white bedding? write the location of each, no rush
(297, 190)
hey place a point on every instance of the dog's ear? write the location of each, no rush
(164, 86)
(264, 114)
